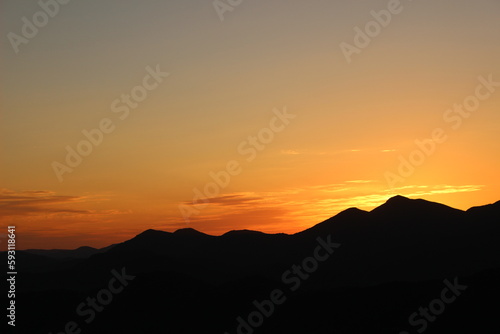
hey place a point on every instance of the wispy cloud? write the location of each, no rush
(295, 209)
(289, 152)
(360, 181)
(240, 199)
(35, 202)
(44, 202)
(415, 191)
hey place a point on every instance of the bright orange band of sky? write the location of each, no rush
(116, 114)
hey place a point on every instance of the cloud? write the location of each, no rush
(39, 202)
(294, 209)
(289, 152)
(437, 189)
(235, 199)
(360, 181)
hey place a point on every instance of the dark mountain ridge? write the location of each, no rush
(394, 242)
(399, 251)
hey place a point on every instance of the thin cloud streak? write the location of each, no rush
(43, 203)
(300, 208)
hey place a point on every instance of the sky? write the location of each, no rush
(121, 116)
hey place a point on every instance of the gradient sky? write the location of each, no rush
(353, 121)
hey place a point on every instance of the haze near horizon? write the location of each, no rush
(122, 116)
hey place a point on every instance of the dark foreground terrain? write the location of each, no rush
(408, 266)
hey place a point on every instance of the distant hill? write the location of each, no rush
(79, 253)
(384, 264)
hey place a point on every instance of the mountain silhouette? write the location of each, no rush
(79, 253)
(384, 264)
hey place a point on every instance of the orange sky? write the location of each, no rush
(158, 97)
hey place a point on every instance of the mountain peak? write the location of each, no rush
(189, 232)
(243, 232)
(397, 203)
(403, 206)
(398, 199)
(351, 212)
(152, 232)
(86, 248)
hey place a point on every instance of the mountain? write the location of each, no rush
(79, 253)
(356, 272)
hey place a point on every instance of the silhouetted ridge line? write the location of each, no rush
(242, 233)
(190, 232)
(399, 205)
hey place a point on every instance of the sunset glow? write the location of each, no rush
(117, 115)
